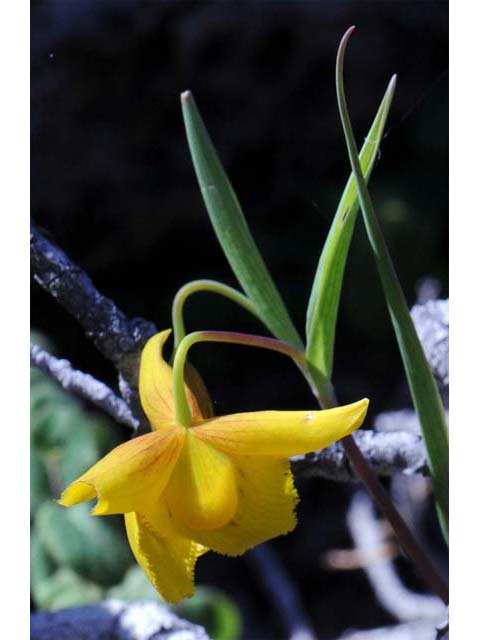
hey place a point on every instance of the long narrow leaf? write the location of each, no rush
(422, 385)
(325, 295)
(232, 230)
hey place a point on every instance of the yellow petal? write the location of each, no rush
(169, 563)
(266, 507)
(131, 476)
(281, 433)
(156, 384)
(202, 489)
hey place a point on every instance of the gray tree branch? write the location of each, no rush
(83, 385)
(387, 453)
(119, 339)
(431, 321)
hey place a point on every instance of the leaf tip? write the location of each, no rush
(343, 45)
(186, 96)
(348, 33)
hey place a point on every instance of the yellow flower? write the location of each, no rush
(224, 484)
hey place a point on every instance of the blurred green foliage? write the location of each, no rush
(76, 559)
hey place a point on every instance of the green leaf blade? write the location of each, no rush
(66, 589)
(423, 388)
(232, 230)
(324, 299)
(94, 548)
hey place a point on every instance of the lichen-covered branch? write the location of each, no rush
(387, 454)
(431, 321)
(83, 385)
(118, 338)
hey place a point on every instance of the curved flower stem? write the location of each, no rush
(204, 285)
(182, 409)
(402, 532)
(383, 501)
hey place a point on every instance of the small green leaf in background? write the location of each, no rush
(213, 610)
(423, 387)
(232, 230)
(325, 295)
(91, 546)
(134, 586)
(41, 564)
(50, 413)
(66, 589)
(85, 445)
(39, 483)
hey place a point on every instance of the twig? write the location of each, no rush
(387, 454)
(407, 540)
(432, 324)
(368, 536)
(119, 339)
(83, 384)
(282, 592)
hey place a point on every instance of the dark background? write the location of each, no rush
(112, 181)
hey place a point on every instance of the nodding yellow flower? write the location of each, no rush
(223, 484)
